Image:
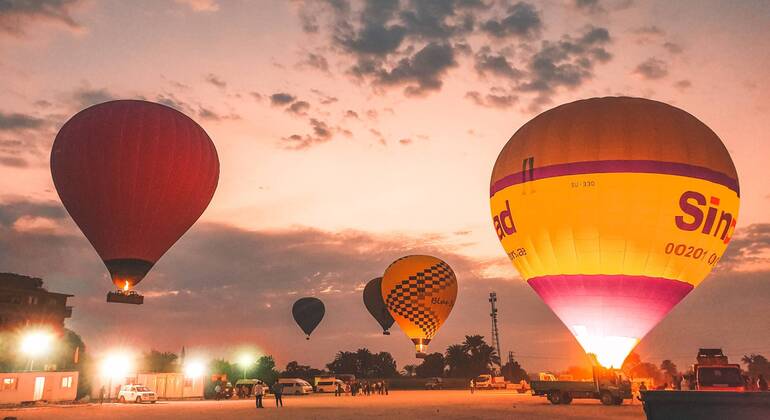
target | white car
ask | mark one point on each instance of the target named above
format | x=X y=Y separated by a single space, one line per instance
x=137 y=394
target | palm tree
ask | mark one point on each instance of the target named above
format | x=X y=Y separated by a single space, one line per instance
x=410 y=370
x=457 y=359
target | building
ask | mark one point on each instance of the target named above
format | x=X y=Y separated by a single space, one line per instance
x=20 y=387
x=166 y=385
x=24 y=301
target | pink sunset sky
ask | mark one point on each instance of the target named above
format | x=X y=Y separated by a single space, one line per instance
x=352 y=133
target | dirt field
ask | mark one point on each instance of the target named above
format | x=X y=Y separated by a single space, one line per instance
x=408 y=405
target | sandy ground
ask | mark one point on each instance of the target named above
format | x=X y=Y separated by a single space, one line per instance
x=406 y=405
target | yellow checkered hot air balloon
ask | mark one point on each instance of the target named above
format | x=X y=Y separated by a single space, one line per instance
x=613 y=210
x=419 y=291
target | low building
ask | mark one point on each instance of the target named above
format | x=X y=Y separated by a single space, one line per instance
x=21 y=387
x=24 y=302
x=166 y=385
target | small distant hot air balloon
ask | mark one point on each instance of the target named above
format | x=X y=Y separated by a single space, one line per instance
x=134 y=176
x=419 y=291
x=376 y=306
x=308 y=313
x=613 y=210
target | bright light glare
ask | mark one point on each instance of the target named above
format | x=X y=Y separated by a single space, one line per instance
x=116 y=365
x=36 y=343
x=194 y=368
x=610 y=351
x=245 y=360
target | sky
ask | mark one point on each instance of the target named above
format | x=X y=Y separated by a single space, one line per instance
x=352 y=133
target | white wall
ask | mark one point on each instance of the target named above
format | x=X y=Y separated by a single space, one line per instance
x=165 y=385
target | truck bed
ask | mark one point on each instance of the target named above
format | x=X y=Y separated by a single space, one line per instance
x=544 y=387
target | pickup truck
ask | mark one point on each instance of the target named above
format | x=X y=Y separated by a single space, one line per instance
x=608 y=386
x=487 y=381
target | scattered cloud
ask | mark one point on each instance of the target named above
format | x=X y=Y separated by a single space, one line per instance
x=211 y=115
x=749 y=250
x=321 y=133
x=491 y=100
x=494 y=64
x=18 y=16
x=683 y=84
x=522 y=21
x=16 y=121
x=200 y=5
x=421 y=73
x=256 y=95
x=652 y=69
x=405 y=142
x=673 y=48
x=13 y=162
x=280 y=99
x=589 y=6
x=215 y=80
x=84 y=97
x=351 y=114
x=298 y=108
x=316 y=61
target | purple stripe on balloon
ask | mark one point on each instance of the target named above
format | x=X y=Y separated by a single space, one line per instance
x=617 y=305
x=616 y=166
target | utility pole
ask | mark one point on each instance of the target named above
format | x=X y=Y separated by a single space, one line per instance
x=495 y=332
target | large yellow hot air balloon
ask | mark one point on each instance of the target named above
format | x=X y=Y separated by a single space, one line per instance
x=613 y=210
x=419 y=291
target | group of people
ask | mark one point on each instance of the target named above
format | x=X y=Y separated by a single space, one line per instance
x=687 y=383
x=260 y=391
x=362 y=388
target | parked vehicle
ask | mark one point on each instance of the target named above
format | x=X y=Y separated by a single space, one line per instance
x=714 y=373
x=487 y=381
x=434 y=383
x=137 y=394
x=328 y=384
x=609 y=386
x=244 y=388
x=520 y=387
x=295 y=386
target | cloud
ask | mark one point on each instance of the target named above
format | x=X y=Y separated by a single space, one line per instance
x=321 y=133
x=589 y=6
x=673 y=48
x=683 y=84
x=200 y=5
x=16 y=121
x=279 y=99
x=523 y=21
x=567 y=63
x=256 y=95
x=298 y=108
x=13 y=162
x=316 y=61
x=169 y=99
x=749 y=249
x=18 y=16
x=420 y=73
x=405 y=142
x=84 y=97
x=495 y=64
x=351 y=114
x=211 y=115
x=215 y=80
x=491 y=100
x=652 y=69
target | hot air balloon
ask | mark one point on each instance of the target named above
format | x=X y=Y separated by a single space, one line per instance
x=134 y=176
x=376 y=306
x=308 y=313
x=613 y=210
x=419 y=291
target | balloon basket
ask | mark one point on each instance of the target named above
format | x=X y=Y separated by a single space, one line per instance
x=386 y=333
x=130 y=297
x=421 y=355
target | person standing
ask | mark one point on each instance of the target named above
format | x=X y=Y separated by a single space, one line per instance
x=259 y=392
x=385 y=387
x=338 y=389
x=473 y=385
x=278 y=392
x=761 y=382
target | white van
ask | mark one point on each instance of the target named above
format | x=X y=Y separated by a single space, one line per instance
x=295 y=386
x=328 y=384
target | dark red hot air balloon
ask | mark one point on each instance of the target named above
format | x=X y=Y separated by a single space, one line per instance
x=134 y=175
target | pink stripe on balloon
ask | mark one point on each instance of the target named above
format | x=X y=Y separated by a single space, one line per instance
x=614 y=305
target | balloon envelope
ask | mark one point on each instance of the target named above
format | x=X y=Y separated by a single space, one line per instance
x=134 y=176
x=376 y=306
x=613 y=210
x=420 y=292
x=308 y=313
